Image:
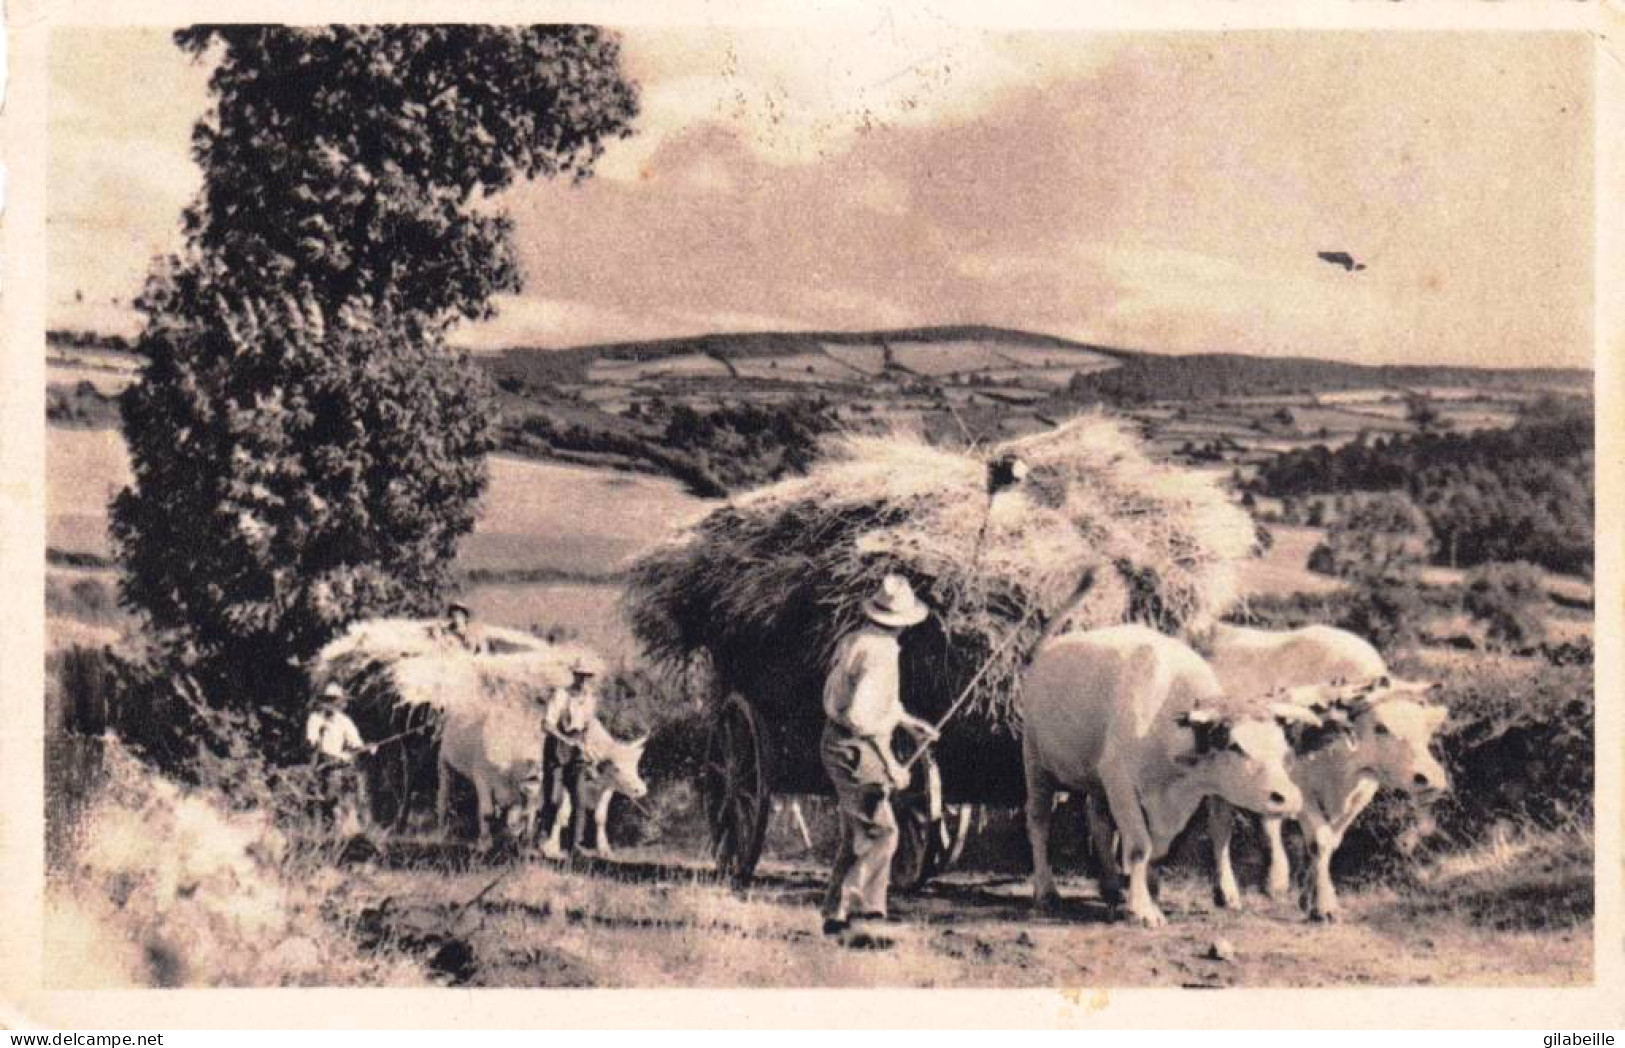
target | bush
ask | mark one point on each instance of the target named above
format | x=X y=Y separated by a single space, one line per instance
x=1509 y=599
x=1518 y=747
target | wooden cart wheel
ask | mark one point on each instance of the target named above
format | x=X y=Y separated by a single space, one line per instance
x=737 y=795
x=919 y=832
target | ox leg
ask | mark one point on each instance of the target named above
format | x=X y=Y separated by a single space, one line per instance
x=1040 y=806
x=1221 y=825
x=485 y=803
x=1279 y=883
x=442 y=799
x=1103 y=847
x=801 y=824
x=1321 y=896
x=1137 y=850
x=553 y=849
x=600 y=820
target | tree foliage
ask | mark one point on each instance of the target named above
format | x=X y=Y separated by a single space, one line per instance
x=1524 y=493
x=355 y=161
x=1509 y=599
x=306 y=450
x=1379 y=538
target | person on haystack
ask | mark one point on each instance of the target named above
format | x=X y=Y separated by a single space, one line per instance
x=462 y=631
x=565 y=718
x=335 y=742
x=863 y=709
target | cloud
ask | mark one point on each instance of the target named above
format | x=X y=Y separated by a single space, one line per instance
x=1160 y=191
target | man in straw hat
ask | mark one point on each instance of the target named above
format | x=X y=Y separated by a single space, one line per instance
x=565 y=719
x=864 y=709
x=336 y=741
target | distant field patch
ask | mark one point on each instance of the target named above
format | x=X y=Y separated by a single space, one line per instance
x=1483 y=418
x=870 y=360
x=84 y=469
x=797 y=367
x=107 y=382
x=589 y=611
x=635 y=370
x=1056 y=377
x=1284 y=567
x=1072 y=359
x=543 y=515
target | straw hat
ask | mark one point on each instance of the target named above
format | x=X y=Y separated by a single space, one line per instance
x=586 y=666
x=895 y=604
x=454 y=607
x=333 y=693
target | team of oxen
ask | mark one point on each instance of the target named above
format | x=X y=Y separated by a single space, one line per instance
x=1305 y=724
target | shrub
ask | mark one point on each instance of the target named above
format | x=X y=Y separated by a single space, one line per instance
x=1518 y=747
x=1509 y=600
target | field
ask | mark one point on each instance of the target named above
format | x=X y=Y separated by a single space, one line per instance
x=549 y=549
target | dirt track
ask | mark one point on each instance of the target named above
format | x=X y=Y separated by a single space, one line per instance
x=646 y=920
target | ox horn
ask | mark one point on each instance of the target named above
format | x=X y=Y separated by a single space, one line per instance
x=1291 y=711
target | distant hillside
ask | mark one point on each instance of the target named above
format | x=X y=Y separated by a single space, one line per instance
x=572 y=364
x=1139 y=376
x=1146 y=377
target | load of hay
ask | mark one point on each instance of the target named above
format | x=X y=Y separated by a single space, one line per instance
x=393 y=663
x=764 y=587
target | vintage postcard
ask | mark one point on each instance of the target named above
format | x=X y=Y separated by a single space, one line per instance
x=1090 y=505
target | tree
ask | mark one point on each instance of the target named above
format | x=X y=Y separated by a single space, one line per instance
x=1381 y=538
x=306 y=450
x=1508 y=599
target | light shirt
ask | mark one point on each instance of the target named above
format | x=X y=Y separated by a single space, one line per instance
x=333 y=734
x=569 y=712
x=863 y=691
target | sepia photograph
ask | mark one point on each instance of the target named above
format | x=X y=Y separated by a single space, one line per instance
x=876 y=502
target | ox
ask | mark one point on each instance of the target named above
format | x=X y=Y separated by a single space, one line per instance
x=1383 y=728
x=1373 y=735
x=1118 y=711
x=610 y=767
x=498 y=750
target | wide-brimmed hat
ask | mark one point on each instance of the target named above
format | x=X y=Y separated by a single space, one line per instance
x=586 y=666
x=333 y=693
x=456 y=606
x=895 y=604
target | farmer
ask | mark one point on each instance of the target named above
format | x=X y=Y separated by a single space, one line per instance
x=565 y=719
x=335 y=742
x=461 y=630
x=863 y=711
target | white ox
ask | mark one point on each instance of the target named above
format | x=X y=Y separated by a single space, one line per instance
x=1375 y=734
x=1118 y=710
x=498 y=750
x=610 y=766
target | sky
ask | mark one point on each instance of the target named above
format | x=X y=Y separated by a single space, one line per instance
x=1157 y=191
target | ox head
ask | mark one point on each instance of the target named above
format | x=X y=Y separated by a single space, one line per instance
x=1389 y=725
x=1244 y=758
x=615 y=765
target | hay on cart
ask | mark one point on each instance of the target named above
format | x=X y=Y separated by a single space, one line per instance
x=765 y=586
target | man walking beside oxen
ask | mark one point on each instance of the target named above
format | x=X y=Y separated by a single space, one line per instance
x=863 y=710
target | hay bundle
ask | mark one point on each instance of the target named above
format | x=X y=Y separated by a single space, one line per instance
x=768 y=584
x=389 y=664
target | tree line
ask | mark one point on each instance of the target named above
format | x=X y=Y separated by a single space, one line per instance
x=1523 y=493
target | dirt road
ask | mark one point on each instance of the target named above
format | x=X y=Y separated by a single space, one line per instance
x=650 y=920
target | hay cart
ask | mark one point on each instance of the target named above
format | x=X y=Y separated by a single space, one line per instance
x=997 y=540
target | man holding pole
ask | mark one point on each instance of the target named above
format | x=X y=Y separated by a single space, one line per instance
x=864 y=709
